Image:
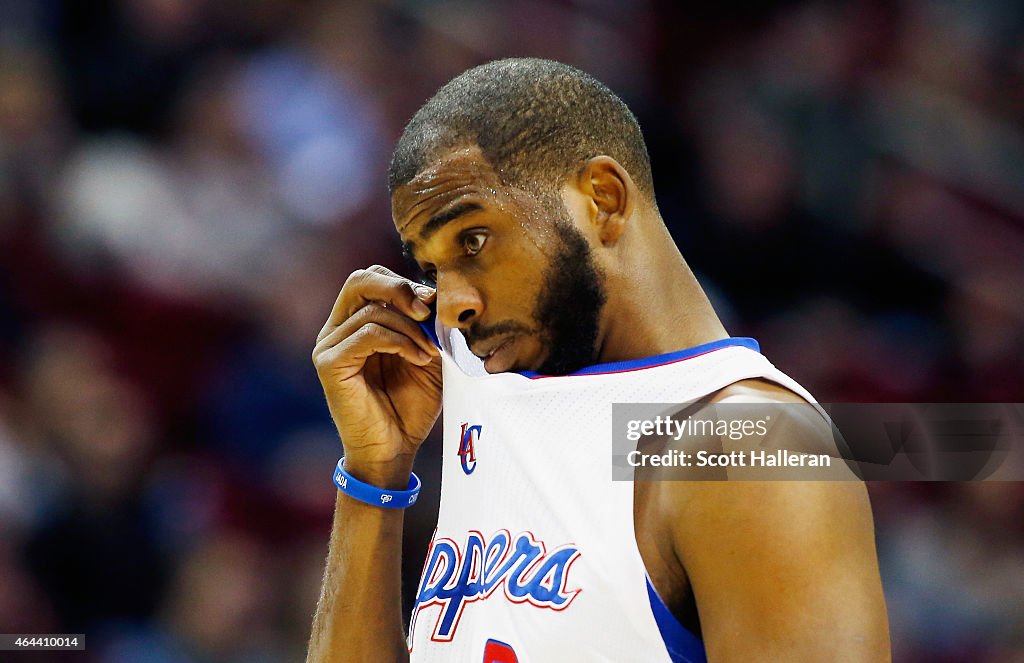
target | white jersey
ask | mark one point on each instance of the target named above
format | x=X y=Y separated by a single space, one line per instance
x=534 y=558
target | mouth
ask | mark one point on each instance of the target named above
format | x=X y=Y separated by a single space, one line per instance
x=500 y=357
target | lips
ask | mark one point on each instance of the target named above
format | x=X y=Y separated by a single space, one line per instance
x=499 y=357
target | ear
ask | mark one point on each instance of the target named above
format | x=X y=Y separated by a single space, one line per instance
x=611 y=195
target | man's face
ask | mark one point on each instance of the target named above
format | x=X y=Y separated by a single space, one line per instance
x=513 y=273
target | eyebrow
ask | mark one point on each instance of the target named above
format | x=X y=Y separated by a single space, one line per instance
x=437 y=221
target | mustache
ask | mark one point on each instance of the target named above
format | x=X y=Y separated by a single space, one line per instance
x=477 y=332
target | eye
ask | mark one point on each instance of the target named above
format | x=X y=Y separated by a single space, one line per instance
x=430 y=277
x=473 y=242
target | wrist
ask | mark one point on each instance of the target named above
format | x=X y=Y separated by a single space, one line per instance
x=368 y=493
x=388 y=475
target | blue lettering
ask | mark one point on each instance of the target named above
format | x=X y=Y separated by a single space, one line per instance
x=443 y=552
x=454 y=579
x=527 y=552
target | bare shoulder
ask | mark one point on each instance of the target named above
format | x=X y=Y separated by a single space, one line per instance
x=795 y=422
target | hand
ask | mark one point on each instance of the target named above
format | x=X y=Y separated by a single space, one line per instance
x=380 y=372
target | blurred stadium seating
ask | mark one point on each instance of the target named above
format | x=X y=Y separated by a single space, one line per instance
x=184 y=185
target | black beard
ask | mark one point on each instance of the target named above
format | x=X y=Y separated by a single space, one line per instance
x=568 y=310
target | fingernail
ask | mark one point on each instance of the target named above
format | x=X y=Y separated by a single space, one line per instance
x=424 y=357
x=420 y=309
x=423 y=292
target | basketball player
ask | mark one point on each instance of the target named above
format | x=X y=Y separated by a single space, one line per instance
x=523 y=190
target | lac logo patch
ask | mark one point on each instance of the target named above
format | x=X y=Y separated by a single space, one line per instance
x=467 y=446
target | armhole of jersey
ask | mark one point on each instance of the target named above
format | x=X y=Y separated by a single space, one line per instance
x=778 y=378
x=682 y=645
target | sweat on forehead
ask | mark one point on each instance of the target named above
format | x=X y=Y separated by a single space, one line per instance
x=458 y=182
x=465 y=164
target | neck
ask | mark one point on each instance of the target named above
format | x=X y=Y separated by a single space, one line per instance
x=655 y=304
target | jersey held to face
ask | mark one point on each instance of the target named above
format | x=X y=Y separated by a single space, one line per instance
x=512 y=271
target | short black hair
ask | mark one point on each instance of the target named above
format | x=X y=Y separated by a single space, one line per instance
x=536 y=122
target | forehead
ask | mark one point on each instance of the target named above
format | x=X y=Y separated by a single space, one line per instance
x=459 y=173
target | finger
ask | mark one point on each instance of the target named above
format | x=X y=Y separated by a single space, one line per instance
x=350 y=354
x=379 y=284
x=425 y=292
x=408 y=291
x=390 y=318
x=379 y=313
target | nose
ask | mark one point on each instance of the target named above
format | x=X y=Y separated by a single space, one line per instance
x=459 y=303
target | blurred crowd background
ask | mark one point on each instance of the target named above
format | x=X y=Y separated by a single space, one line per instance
x=185 y=184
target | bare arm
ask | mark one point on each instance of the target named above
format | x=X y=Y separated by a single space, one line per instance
x=381 y=377
x=783 y=570
x=360 y=605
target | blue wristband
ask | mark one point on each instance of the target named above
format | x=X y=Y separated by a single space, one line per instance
x=364 y=492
